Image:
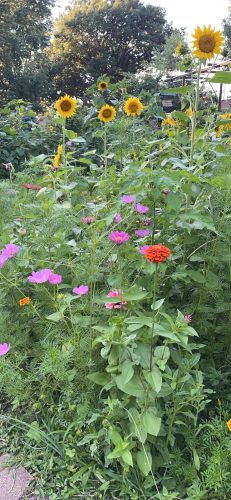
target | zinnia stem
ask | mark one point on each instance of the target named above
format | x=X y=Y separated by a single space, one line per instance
x=194 y=116
x=105 y=150
x=155 y=286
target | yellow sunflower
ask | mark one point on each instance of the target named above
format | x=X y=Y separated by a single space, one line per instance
x=226 y=127
x=56 y=161
x=207 y=43
x=168 y=121
x=178 y=49
x=133 y=106
x=107 y=113
x=103 y=85
x=189 y=112
x=66 y=106
x=60 y=150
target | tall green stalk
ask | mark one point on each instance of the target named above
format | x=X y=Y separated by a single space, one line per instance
x=105 y=150
x=155 y=287
x=194 y=116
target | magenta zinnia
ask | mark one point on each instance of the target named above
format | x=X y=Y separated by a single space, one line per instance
x=118 y=237
x=116 y=305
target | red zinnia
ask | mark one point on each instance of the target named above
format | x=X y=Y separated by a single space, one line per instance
x=34 y=187
x=157 y=253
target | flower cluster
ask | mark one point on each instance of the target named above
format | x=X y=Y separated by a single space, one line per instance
x=8 y=252
x=121 y=304
x=45 y=275
x=58 y=156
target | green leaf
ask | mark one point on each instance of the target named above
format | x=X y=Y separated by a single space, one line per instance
x=134 y=387
x=127 y=371
x=154 y=378
x=196 y=459
x=158 y=304
x=177 y=90
x=144 y=462
x=137 y=427
x=34 y=433
x=127 y=457
x=134 y=293
x=99 y=378
x=161 y=356
x=151 y=422
x=197 y=276
x=116 y=438
x=221 y=77
x=55 y=317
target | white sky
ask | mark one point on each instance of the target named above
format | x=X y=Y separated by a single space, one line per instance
x=183 y=13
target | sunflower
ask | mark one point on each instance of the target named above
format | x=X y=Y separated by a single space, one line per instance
x=107 y=113
x=103 y=85
x=66 y=106
x=189 y=112
x=133 y=106
x=226 y=127
x=207 y=43
x=168 y=121
x=60 y=150
x=178 y=49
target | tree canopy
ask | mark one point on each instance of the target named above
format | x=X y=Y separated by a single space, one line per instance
x=99 y=37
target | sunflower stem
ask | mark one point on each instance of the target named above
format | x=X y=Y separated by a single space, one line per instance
x=155 y=286
x=194 y=116
x=105 y=150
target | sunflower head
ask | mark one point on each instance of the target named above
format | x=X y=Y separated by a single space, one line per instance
x=189 y=112
x=207 y=42
x=107 y=113
x=133 y=106
x=103 y=86
x=168 y=121
x=66 y=106
x=178 y=49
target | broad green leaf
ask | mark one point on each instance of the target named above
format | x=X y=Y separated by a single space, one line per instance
x=134 y=387
x=137 y=427
x=116 y=438
x=99 y=378
x=197 y=276
x=154 y=378
x=177 y=90
x=157 y=305
x=151 y=422
x=221 y=77
x=135 y=293
x=34 y=433
x=55 y=317
x=127 y=371
x=144 y=462
x=127 y=457
x=161 y=356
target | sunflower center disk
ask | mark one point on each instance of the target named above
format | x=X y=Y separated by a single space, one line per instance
x=206 y=43
x=65 y=106
x=133 y=108
x=107 y=113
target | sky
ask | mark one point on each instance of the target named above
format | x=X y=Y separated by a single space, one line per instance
x=183 y=13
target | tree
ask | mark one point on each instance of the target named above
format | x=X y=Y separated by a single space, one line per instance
x=25 y=27
x=227 y=33
x=104 y=37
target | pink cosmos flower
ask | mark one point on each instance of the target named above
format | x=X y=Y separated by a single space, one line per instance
x=128 y=198
x=3 y=260
x=4 y=348
x=117 y=218
x=141 y=209
x=55 y=279
x=119 y=237
x=88 y=219
x=116 y=305
x=8 y=252
x=147 y=222
x=40 y=276
x=81 y=290
x=143 y=248
x=142 y=233
x=188 y=318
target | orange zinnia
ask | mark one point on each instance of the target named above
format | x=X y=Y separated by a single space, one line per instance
x=157 y=253
x=229 y=424
x=24 y=301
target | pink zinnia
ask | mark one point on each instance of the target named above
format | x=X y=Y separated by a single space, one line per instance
x=118 y=237
x=116 y=305
x=143 y=248
x=88 y=219
x=128 y=198
x=81 y=290
x=147 y=222
x=188 y=318
x=55 y=279
x=141 y=209
x=117 y=218
x=142 y=233
x=4 y=348
x=10 y=250
x=40 y=276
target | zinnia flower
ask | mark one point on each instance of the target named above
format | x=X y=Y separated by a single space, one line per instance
x=66 y=106
x=4 y=348
x=107 y=113
x=141 y=209
x=116 y=305
x=81 y=290
x=88 y=219
x=157 y=253
x=55 y=279
x=103 y=85
x=40 y=276
x=143 y=248
x=188 y=318
x=117 y=218
x=229 y=424
x=32 y=187
x=133 y=106
x=128 y=198
x=147 y=222
x=119 y=237
x=25 y=301
x=207 y=42
x=142 y=233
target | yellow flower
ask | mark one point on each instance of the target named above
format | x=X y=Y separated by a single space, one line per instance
x=66 y=106
x=168 y=121
x=56 y=161
x=133 y=106
x=219 y=131
x=60 y=150
x=179 y=49
x=107 y=113
x=189 y=112
x=103 y=85
x=207 y=43
x=226 y=126
x=229 y=424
